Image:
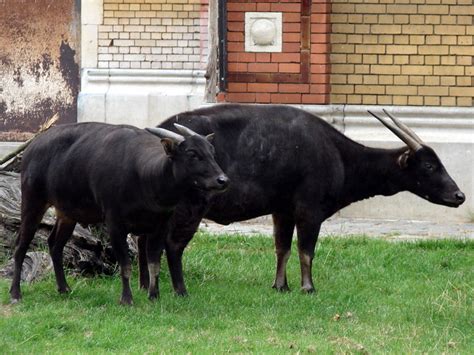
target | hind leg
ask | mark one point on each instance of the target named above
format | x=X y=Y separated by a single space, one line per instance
x=31 y=215
x=308 y=232
x=283 y=227
x=58 y=238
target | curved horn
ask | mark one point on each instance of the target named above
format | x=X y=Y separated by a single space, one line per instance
x=408 y=140
x=164 y=133
x=404 y=127
x=185 y=131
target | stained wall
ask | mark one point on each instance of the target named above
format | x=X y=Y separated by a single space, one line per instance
x=39 y=64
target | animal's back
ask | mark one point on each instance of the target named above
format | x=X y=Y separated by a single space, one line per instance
x=67 y=164
x=262 y=131
x=52 y=149
x=270 y=153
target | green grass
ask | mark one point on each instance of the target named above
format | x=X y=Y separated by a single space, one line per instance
x=373 y=296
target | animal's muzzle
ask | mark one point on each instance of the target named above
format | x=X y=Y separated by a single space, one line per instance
x=459 y=197
x=454 y=199
x=222 y=182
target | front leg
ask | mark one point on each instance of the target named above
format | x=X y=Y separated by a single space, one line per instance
x=187 y=217
x=308 y=232
x=175 y=245
x=118 y=238
x=155 y=243
x=154 y=249
x=144 y=278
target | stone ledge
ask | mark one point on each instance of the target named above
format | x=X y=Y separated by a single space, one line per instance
x=145 y=76
x=141 y=97
x=435 y=124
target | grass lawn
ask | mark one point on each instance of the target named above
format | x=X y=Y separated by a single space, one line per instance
x=373 y=296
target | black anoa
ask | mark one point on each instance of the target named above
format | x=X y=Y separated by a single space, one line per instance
x=293 y=165
x=129 y=178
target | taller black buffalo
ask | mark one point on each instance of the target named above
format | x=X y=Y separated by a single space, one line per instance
x=125 y=176
x=291 y=164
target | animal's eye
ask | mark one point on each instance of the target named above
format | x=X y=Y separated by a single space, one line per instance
x=429 y=166
x=192 y=154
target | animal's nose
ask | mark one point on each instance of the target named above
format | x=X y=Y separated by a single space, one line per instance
x=223 y=181
x=460 y=197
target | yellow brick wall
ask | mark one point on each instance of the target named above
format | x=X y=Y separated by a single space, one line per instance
x=153 y=34
x=411 y=52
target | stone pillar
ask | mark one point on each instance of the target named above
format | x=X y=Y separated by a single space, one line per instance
x=91 y=19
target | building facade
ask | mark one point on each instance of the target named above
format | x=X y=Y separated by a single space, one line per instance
x=141 y=61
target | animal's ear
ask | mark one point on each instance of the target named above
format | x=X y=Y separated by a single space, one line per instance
x=210 y=137
x=403 y=159
x=169 y=145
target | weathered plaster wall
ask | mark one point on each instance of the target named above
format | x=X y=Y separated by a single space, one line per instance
x=39 y=72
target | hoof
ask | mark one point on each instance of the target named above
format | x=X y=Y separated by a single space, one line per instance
x=15 y=296
x=308 y=290
x=64 y=290
x=126 y=302
x=153 y=296
x=283 y=288
x=181 y=293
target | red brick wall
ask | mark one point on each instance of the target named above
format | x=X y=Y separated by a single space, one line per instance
x=300 y=74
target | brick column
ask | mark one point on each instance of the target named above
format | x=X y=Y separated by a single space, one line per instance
x=297 y=74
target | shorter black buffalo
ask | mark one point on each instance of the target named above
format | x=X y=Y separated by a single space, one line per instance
x=289 y=163
x=122 y=175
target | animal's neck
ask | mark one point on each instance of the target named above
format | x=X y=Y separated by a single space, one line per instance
x=370 y=172
x=166 y=188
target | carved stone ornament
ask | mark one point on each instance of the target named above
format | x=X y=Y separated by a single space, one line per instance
x=263 y=31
